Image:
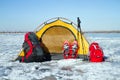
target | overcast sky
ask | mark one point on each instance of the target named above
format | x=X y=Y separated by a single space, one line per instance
x=26 y=15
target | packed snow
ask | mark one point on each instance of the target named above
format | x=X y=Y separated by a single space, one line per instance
x=72 y=69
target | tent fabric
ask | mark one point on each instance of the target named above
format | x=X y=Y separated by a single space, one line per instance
x=53 y=34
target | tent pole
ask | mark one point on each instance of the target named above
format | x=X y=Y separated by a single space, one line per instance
x=79 y=29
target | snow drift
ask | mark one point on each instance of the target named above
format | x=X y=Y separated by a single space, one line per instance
x=72 y=69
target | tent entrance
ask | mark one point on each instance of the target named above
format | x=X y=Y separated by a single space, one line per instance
x=54 y=37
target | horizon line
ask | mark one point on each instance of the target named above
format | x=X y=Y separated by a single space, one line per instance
x=95 y=31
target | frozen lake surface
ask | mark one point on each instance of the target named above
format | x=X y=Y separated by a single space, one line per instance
x=10 y=45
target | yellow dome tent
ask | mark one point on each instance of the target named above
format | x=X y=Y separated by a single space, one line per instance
x=55 y=31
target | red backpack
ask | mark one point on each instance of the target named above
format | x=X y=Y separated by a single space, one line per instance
x=96 y=53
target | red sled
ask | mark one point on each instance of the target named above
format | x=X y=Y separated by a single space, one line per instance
x=70 y=50
x=96 y=53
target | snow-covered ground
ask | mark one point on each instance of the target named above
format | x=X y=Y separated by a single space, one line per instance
x=76 y=69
